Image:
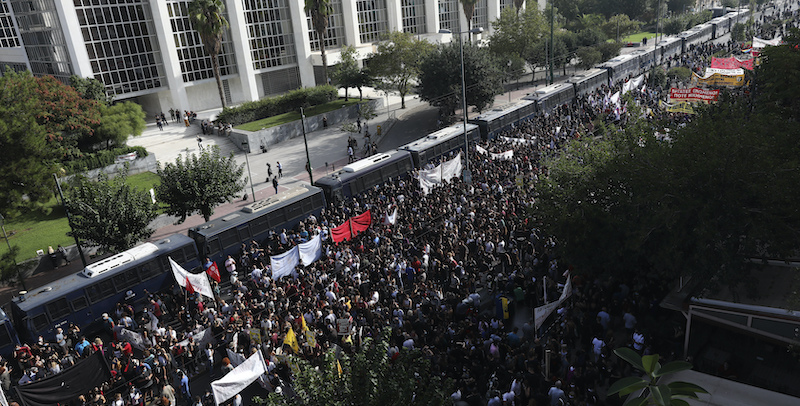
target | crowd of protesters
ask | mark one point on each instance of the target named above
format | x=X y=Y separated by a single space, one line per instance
x=435 y=277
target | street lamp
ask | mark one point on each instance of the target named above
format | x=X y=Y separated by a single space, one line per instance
x=246 y=147
x=19 y=275
x=478 y=30
x=305 y=141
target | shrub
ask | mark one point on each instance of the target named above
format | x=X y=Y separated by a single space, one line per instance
x=290 y=101
x=100 y=159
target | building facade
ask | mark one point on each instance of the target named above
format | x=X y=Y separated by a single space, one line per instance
x=147 y=50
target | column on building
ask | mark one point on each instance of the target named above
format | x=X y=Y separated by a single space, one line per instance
x=172 y=66
x=241 y=46
x=432 y=16
x=395 y=15
x=350 y=14
x=300 y=24
x=493 y=13
x=74 y=40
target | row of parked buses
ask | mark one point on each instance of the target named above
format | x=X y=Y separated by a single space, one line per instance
x=82 y=298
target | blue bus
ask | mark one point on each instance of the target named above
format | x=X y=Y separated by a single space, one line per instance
x=82 y=298
x=223 y=236
x=440 y=144
x=8 y=335
x=364 y=174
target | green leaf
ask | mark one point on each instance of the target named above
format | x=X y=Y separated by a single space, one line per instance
x=661 y=395
x=673 y=367
x=625 y=383
x=684 y=388
x=650 y=363
x=637 y=402
x=679 y=402
x=630 y=356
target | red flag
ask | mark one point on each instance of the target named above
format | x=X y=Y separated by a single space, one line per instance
x=213 y=272
x=189 y=287
x=342 y=232
x=361 y=222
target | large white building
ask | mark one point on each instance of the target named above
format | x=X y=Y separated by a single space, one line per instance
x=148 y=52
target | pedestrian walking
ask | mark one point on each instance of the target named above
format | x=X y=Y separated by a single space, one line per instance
x=63 y=253
x=269 y=171
x=177 y=115
x=158 y=123
x=280 y=169
x=275 y=184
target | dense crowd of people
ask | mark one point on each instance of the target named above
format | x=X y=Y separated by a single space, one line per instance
x=434 y=277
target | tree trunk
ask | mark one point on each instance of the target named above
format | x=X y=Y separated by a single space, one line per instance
x=215 y=64
x=360 y=93
x=324 y=57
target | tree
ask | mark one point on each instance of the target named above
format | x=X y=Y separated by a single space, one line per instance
x=69 y=119
x=369 y=378
x=589 y=57
x=90 y=89
x=320 y=10
x=469 y=10
x=671 y=394
x=779 y=89
x=199 y=183
x=27 y=160
x=396 y=63
x=515 y=34
x=120 y=121
x=208 y=19
x=109 y=213
x=440 y=77
x=620 y=26
x=347 y=74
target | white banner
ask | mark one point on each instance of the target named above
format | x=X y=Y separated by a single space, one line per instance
x=481 y=150
x=238 y=379
x=503 y=155
x=391 y=219
x=199 y=282
x=310 y=251
x=445 y=171
x=3 y=401
x=762 y=43
x=519 y=140
x=541 y=313
x=633 y=84
x=283 y=264
x=201 y=339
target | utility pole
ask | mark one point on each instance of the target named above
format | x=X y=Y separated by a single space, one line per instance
x=552 y=52
x=305 y=141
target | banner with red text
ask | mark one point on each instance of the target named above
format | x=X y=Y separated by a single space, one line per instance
x=731 y=63
x=694 y=94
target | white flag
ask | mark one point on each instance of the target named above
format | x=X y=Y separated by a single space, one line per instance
x=311 y=250
x=283 y=264
x=391 y=219
x=238 y=379
x=196 y=282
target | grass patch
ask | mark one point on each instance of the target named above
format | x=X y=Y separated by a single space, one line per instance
x=638 y=37
x=295 y=115
x=37 y=229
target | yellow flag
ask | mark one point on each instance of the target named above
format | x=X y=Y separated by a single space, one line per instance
x=291 y=339
x=303 y=323
x=339 y=368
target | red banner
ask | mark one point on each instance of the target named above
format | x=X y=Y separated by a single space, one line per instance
x=361 y=222
x=341 y=233
x=693 y=94
x=731 y=63
x=213 y=272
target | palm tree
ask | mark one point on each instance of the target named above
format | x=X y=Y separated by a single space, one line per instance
x=469 y=10
x=320 y=10
x=209 y=21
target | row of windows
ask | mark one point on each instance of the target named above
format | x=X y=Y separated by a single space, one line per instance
x=103 y=33
x=448 y=15
x=280 y=81
x=372 y=19
x=106 y=288
x=506 y=3
x=270 y=34
x=111 y=14
x=413 y=16
x=195 y=63
x=8 y=36
x=84 y=3
x=112 y=49
x=480 y=18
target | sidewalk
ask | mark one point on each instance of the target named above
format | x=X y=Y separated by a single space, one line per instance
x=327 y=149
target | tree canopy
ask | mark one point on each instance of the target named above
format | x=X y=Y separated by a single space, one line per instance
x=347 y=74
x=718 y=193
x=397 y=62
x=440 y=77
x=197 y=184
x=109 y=213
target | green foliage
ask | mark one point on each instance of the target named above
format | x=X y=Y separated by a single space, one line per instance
x=620 y=26
x=208 y=19
x=100 y=159
x=90 y=89
x=197 y=184
x=739 y=32
x=671 y=394
x=109 y=213
x=608 y=50
x=440 y=77
x=516 y=34
x=8 y=264
x=657 y=77
x=780 y=90
x=680 y=73
x=290 y=101
x=589 y=57
x=347 y=74
x=118 y=122
x=27 y=159
x=369 y=378
x=397 y=60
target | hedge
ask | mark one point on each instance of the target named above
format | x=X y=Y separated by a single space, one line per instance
x=291 y=101
x=100 y=159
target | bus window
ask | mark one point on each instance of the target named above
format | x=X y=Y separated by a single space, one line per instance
x=177 y=256
x=148 y=270
x=244 y=232
x=58 y=308
x=5 y=335
x=40 y=322
x=228 y=238
x=79 y=304
x=212 y=247
x=189 y=253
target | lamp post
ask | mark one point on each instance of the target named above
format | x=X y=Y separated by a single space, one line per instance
x=16 y=265
x=69 y=220
x=246 y=146
x=305 y=141
x=467 y=173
